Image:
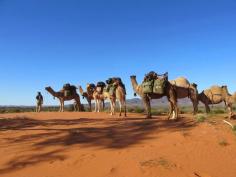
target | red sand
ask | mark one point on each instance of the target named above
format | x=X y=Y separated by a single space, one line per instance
x=98 y=145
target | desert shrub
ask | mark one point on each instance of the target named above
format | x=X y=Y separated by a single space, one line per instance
x=185 y=109
x=200 y=111
x=130 y=109
x=70 y=108
x=138 y=110
x=234 y=108
x=201 y=117
x=223 y=143
x=218 y=111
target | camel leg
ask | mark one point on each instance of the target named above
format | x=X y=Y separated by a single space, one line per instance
x=230 y=111
x=103 y=105
x=195 y=106
x=60 y=109
x=99 y=105
x=208 y=110
x=113 y=107
x=120 y=107
x=90 y=105
x=176 y=111
x=147 y=105
x=124 y=104
x=75 y=107
x=62 y=106
x=171 y=110
x=95 y=110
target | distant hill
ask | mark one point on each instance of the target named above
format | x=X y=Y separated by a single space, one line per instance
x=163 y=102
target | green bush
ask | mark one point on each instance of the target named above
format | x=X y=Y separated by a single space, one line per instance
x=138 y=110
x=130 y=109
x=218 y=111
x=201 y=117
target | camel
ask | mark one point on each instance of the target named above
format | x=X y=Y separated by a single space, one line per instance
x=60 y=95
x=89 y=95
x=119 y=95
x=184 y=89
x=169 y=92
x=216 y=95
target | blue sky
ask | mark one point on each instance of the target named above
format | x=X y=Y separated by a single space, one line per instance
x=51 y=42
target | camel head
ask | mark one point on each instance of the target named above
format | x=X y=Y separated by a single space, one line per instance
x=48 y=88
x=137 y=89
x=51 y=91
x=87 y=86
x=82 y=92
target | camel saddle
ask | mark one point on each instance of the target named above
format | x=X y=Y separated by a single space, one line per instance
x=69 y=89
x=91 y=88
x=100 y=87
x=154 y=83
x=112 y=85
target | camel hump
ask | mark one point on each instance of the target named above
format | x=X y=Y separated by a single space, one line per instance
x=213 y=90
x=216 y=89
x=181 y=82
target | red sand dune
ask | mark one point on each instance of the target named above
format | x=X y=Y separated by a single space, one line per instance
x=98 y=145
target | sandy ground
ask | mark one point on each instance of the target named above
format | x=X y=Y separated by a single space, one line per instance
x=98 y=145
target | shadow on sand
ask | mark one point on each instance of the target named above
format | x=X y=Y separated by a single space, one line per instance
x=83 y=132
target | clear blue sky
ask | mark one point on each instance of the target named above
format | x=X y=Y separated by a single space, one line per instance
x=51 y=42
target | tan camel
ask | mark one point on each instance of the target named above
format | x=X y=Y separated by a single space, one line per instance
x=100 y=97
x=169 y=92
x=89 y=95
x=119 y=95
x=62 y=98
x=186 y=90
x=216 y=95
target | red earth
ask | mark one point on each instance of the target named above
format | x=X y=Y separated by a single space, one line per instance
x=98 y=145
